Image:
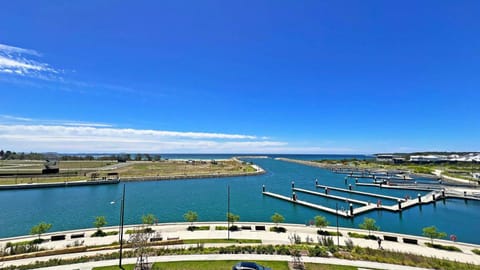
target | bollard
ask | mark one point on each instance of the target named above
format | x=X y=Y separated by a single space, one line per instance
x=263 y=188
x=356 y=180
x=443 y=193
x=419 y=198
x=326 y=190
x=400 y=205
x=345 y=180
x=350 y=186
x=294 y=196
x=293 y=184
x=351 y=210
x=316 y=182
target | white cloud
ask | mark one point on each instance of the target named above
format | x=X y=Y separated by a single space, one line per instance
x=19 y=61
x=80 y=138
x=16 y=50
x=11 y=119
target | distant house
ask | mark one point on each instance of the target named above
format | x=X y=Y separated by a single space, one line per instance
x=427 y=158
x=389 y=158
x=384 y=158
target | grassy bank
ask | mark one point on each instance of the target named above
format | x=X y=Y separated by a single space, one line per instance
x=221 y=265
x=26 y=172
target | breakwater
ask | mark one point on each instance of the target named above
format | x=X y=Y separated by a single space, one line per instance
x=60 y=184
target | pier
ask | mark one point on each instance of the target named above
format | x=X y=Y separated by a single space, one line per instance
x=340 y=198
x=409 y=187
x=362 y=193
x=431 y=197
x=307 y=204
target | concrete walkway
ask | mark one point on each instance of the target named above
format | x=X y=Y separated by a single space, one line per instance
x=174 y=230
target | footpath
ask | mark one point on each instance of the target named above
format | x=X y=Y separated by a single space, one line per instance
x=179 y=231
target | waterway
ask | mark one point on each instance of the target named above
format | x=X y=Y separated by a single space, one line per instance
x=76 y=207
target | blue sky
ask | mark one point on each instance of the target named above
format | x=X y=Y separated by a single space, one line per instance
x=240 y=76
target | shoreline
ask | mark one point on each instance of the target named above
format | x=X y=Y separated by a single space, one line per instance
x=258 y=171
x=324 y=166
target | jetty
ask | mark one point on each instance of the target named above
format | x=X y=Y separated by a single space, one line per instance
x=409 y=187
x=60 y=184
x=307 y=204
x=401 y=204
x=340 y=198
x=361 y=193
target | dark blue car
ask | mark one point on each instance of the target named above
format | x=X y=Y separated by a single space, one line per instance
x=249 y=266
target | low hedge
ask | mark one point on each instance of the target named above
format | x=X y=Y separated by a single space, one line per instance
x=442 y=247
x=278 y=229
x=364 y=236
x=328 y=233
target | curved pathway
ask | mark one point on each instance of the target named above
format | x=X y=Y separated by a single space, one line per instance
x=174 y=230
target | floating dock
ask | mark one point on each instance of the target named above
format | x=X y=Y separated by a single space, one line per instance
x=340 y=198
x=307 y=204
x=362 y=193
x=402 y=204
x=409 y=187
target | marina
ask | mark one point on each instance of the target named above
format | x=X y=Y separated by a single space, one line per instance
x=169 y=200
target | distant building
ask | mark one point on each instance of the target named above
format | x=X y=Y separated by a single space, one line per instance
x=390 y=158
x=428 y=158
x=476 y=175
x=384 y=158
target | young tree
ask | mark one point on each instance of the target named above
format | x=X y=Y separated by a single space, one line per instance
x=320 y=221
x=40 y=229
x=369 y=224
x=232 y=218
x=432 y=232
x=148 y=220
x=99 y=222
x=277 y=218
x=191 y=217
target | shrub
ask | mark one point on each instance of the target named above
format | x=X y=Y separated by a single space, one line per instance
x=442 y=247
x=349 y=244
x=278 y=229
x=318 y=251
x=198 y=228
x=327 y=233
x=364 y=236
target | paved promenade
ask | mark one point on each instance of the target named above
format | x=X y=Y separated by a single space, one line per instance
x=174 y=230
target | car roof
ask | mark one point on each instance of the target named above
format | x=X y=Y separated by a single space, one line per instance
x=248 y=264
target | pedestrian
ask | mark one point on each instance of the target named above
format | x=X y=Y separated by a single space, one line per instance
x=379 y=243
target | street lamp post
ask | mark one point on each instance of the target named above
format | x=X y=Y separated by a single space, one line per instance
x=338 y=234
x=228 y=212
x=122 y=211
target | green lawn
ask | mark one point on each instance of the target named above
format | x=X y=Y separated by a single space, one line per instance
x=222 y=265
x=201 y=265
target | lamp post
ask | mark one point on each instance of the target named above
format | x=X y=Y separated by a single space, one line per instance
x=122 y=211
x=338 y=234
x=228 y=212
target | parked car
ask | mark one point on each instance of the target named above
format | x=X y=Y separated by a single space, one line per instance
x=249 y=266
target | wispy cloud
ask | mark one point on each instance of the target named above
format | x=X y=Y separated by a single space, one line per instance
x=80 y=138
x=22 y=62
x=12 y=119
x=16 y=50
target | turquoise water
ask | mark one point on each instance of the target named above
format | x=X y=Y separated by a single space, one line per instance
x=76 y=207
